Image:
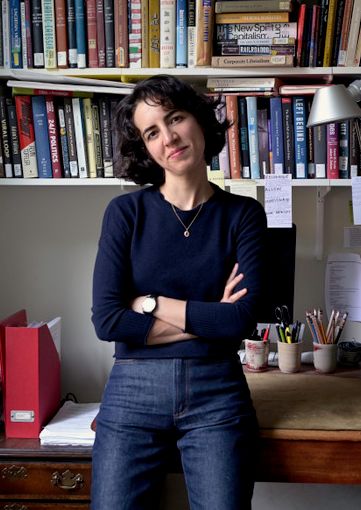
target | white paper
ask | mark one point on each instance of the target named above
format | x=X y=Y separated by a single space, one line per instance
x=54 y=327
x=343 y=284
x=352 y=237
x=71 y=425
x=278 y=200
x=356 y=200
x=246 y=188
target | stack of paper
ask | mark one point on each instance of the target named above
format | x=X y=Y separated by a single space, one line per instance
x=71 y=425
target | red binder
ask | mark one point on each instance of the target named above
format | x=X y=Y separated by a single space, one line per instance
x=32 y=379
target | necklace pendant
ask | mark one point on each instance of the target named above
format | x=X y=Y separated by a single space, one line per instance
x=186 y=233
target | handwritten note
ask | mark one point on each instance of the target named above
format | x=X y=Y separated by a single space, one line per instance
x=216 y=176
x=356 y=200
x=278 y=200
x=343 y=284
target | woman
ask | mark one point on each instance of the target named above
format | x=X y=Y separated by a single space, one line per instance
x=177 y=282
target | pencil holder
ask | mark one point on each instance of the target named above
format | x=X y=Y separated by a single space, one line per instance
x=256 y=355
x=325 y=357
x=289 y=356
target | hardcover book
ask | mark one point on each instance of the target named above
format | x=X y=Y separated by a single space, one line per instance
x=300 y=131
x=26 y=136
x=53 y=137
x=61 y=34
x=253 y=137
x=50 y=58
x=42 y=142
x=277 y=135
x=14 y=138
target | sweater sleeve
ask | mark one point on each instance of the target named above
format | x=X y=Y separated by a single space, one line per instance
x=112 y=318
x=216 y=320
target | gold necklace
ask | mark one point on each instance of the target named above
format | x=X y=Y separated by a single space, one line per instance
x=186 y=232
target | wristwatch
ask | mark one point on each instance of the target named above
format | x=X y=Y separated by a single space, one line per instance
x=149 y=304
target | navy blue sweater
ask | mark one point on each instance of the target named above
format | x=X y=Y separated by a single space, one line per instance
x=142 y=250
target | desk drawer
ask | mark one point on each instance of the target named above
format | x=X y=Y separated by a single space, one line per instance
x=45 y=480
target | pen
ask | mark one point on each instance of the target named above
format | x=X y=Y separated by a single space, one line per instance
x=266 y=333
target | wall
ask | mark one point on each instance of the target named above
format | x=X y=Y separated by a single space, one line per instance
x=48 y=241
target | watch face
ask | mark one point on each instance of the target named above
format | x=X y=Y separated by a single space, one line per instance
x=149 y=304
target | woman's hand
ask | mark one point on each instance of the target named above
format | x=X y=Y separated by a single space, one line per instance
x=228 y=295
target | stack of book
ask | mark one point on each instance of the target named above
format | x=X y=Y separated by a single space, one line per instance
x=254 y=33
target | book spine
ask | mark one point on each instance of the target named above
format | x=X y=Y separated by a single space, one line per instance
x=105 y=130
x=26 y=136
x=344 y=150
x=310 y=144
x=204 y=31
x=353 y=33
x=192 y=33
x=243 y=137
x=122 y=51
x=97 y=141
x=135 y=34
x=357 y=57
x=314 y=35
x=252 y=6
x=320 y=152
x=109 y=33
x=322 y=32
x=306 y=38
x=28 y=35
x=332 y=169
x=330 y=31
x=223 y=157
x=231 y=48
x=53 y=137
x=2 y=166
x=70 y=132
x=42 y=142
x=91 y=23
x=71 y=31
x=89 y=137
x=288 y=136
x=253 y=137
x=145 y=33
x=232 y=136
x=253 y=61
x=63 y=140
x=14 y=138
x=5 y=9
x=262 y=123
x=49 y=37
x=255 y=33
x=1 y=40
x=15 y=34
x=277 y=135
x=80 y=29
x=113 y=133
x=340 y=8
x=252 y=17
x=79 y=131
x=355 y=152
x=100 y=32
x=5 y=138
x=341 y=59
x=61 y=36
x=299 y=121
x=181 y=33
x=167 y=33
x=154 y=33
x=24 y=47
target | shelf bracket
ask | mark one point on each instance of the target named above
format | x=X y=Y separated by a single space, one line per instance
x=320 y=216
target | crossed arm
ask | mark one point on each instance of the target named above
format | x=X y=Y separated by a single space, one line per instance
x=170 y=314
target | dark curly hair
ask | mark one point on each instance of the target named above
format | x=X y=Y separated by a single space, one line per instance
x=133 y=161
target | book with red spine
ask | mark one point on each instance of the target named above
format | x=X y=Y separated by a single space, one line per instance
x=61 y=34
x=232 y=136
x=332 y=138
x=56 y=165
x=91 y=24
x=24 y=114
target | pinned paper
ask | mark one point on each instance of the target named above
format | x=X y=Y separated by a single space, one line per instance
x=278 y=200
x=356 y=200
x=246 y=188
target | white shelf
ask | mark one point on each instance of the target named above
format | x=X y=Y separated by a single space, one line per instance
x=297 y=183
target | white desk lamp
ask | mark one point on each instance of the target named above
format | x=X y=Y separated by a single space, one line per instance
x=336 y=103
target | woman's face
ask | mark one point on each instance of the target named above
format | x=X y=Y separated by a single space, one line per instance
x=173 y=138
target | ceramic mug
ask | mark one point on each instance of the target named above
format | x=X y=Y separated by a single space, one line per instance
x=256 y=355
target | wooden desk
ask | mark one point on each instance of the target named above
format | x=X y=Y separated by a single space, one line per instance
x=310 y=433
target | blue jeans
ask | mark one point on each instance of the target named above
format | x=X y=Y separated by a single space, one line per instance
x=150 y=406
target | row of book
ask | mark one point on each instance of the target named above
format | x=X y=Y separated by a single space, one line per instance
x=54 y=137
x=179 y=33
x=270 y=135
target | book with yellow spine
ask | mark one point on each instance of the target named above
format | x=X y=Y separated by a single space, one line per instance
x=154 y=33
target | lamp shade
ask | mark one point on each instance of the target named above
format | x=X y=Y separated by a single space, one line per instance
x=332 y=104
